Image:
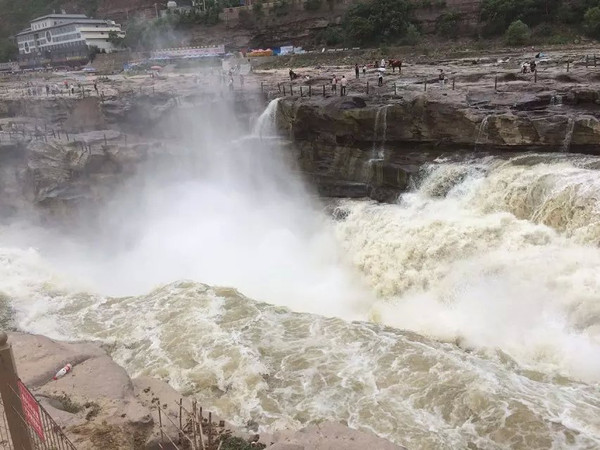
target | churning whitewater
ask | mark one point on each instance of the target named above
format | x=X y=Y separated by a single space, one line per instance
x=475 y=298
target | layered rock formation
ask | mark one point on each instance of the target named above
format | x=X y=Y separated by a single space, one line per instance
x=353 y=146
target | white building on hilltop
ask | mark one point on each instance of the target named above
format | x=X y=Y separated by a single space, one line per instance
x=64 y=39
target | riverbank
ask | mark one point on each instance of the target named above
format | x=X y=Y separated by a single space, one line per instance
x=100 y=407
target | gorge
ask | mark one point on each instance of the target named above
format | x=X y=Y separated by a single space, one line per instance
x=440 y=292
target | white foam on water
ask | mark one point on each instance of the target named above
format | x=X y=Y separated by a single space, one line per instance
x=476 y=256
x=459 y=266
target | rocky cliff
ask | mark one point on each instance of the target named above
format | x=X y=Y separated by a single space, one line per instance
x=353 y=146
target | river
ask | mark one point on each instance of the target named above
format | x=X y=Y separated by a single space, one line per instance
x=465 y=315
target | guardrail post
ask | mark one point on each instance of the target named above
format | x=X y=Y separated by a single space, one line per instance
x=9 y=389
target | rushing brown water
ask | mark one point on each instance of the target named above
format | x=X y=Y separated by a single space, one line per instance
x=464 y=316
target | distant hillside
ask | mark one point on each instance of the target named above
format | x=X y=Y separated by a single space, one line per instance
x=331 y=23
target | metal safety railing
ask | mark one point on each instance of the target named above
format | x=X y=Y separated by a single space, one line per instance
x=24 y=422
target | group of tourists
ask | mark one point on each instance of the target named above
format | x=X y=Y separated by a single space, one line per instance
x=343 y=84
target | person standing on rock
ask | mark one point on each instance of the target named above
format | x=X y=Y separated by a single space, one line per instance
x=442 y=77
x=380 y=79
x=364 y=70
x=334 y=84
x=343 y=88
x=356 y=71
x=532 y=66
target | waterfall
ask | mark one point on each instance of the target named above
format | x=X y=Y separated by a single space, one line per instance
x=379 y=134
x=566 y=145
x=483 y=128
x=265 y=124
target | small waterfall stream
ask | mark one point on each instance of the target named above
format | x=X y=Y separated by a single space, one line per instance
x=483 y=130
x=265 y=124
x=379 y=134
x=566 y=145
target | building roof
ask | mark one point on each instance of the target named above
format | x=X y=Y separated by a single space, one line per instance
x=61 y=16
x=83 y=21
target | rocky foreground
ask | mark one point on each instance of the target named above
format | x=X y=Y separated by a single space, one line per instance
x=100 y=407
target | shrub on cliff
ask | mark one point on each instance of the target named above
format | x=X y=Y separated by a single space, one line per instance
x=448 y=24
x=591 y=21
x=518 y=33
x=382 y=21
x=499 y=14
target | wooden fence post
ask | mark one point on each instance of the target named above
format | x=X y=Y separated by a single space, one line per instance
x=310 y=90
x=301 y=92
x=291 y=89
x=496 y=83
x=535 y=76
x=284 y=90
x=567 y=66
x=367 y=88
x=453 y=83
x=425 y=85
x=395 y=89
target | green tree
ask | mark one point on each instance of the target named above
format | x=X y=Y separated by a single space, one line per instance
x=115 y=39
x=499 y=14
x=591 y=21
x=413 y=36
x=257 y=8
x=518 y=33
x=377 y=22
x=448 y=24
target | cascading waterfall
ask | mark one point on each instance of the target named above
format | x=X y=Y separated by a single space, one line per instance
x=379 y=134
x=566 y=145
x=496 y=256
x=483 y=130
x=265 y=125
